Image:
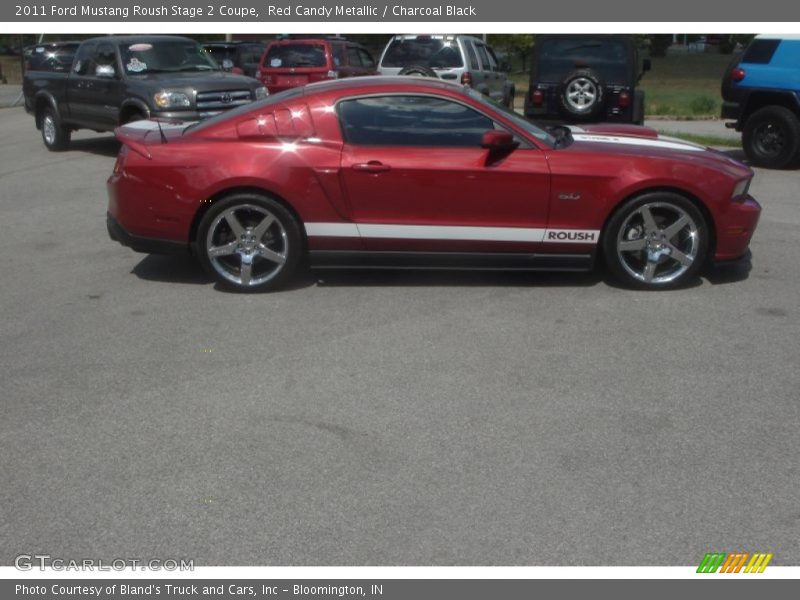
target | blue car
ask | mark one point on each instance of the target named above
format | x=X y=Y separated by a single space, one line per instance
x=761 y=94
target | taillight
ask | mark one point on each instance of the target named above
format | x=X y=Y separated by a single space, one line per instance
x=537 y=97
x=624 y=99
x=738 y=74
x=466 y=78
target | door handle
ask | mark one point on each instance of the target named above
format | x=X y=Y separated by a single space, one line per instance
x=373 y=166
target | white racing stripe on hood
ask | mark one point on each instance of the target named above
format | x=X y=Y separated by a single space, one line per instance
x=667 y=143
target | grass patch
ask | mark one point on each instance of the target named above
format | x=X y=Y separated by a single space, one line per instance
x=680 y=86
x=685 y=85
x=705 y=140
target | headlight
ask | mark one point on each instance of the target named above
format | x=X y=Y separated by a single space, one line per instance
x=172 y=100
x=741 y=189
x=261 y=93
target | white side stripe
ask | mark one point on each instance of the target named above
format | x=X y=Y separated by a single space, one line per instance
x=433 y=232
x=661 y=142
x=332 y=230
x=444 y=232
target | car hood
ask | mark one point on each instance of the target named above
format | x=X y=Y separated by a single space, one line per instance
x=201 y=81
x=635 y=140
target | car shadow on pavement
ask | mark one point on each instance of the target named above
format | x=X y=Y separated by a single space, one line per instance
x=186 y=270
x=729 y=273
x=171 y=269
x=101 y=146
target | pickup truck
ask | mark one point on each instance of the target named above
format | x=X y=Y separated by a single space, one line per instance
x=118 y=79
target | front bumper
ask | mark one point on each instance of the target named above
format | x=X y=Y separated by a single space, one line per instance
x=735 y=228
x=142 y=244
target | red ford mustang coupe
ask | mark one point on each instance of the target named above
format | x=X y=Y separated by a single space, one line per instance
x=404 y=172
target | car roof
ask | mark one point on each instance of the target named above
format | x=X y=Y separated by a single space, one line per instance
x=380 y=81
x=586 y=36
x=444 y=36
x=139 y=39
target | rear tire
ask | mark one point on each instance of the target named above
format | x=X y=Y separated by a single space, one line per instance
x=771 y=137
x=249 y=243
x=55 y=136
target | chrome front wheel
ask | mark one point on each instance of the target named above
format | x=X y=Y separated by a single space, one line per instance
x=657 y=241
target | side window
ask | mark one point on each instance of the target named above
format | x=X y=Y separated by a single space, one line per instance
x=105 y=60
x=83 y=60
x=411 y=121
x=473 y=58
x=366 y=59
x=493 y=59
x=485 y=64
x=353 y=59
x=338 y=55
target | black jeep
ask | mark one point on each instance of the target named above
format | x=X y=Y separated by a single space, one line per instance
x=586 y=78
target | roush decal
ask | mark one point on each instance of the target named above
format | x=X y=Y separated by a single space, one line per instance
x=448 y=232
x=571 y=236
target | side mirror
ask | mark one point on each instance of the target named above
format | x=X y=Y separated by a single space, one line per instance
x=495 y=140
x=227 y=64
x=106 y=71
x=647 y=64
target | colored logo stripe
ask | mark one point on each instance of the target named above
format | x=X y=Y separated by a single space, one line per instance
x=734 y=562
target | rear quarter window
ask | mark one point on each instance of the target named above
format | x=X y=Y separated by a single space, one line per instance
x=760 y=52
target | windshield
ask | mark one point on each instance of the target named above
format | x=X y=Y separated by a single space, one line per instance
x=433 y=52
x=220 y=53
x=517 y=119
x=558 y=58
x=284 y=56
x=165 y=57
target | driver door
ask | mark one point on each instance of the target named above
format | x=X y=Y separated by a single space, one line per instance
x=417 y=178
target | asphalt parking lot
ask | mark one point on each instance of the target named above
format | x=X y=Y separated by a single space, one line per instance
x=383 y=418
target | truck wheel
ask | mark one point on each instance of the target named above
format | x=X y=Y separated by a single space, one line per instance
x=54 y=135
x=771 y=137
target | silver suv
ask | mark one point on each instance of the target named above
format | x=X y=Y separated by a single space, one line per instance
x=457 y=58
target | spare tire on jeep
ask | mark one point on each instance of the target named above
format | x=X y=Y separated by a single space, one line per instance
x=418 y=71
x=581 y=94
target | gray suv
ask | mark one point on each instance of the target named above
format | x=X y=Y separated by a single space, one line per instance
x=458 y=58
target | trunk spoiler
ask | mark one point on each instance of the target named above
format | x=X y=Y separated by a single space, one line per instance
x=141 y=134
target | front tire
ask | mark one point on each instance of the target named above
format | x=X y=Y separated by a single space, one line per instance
x=771 y=137
x=55 y=136
x=659 y=240
x=249 y=243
